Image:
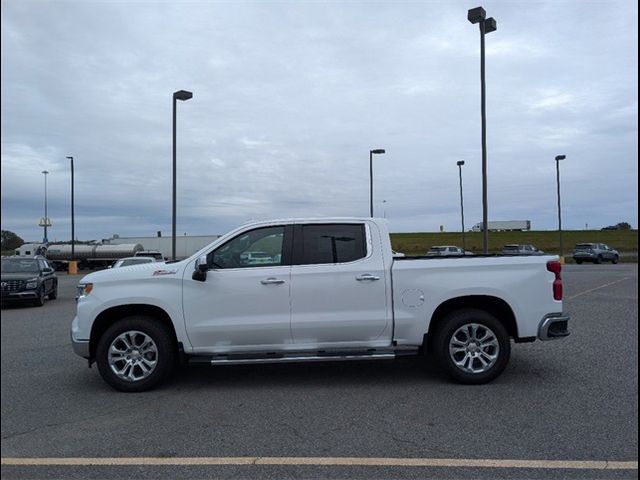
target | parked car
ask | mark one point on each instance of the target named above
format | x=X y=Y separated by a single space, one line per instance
x=125 y=262
x=335 y=292
x=515 y=249
x=150 y=253
x=595 y=252
x=28 y=279
x=446 y=251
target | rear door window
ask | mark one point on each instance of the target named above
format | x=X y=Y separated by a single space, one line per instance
x=329 y=243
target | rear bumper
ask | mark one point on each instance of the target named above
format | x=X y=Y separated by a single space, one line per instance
x=554 y=326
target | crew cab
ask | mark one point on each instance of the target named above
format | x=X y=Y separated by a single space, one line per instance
x=331 y=290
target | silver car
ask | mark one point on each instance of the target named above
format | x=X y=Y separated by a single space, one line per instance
x=515 y=249
x=594 y=252
x=446 y=251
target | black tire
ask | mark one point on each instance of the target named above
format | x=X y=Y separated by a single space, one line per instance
x=53 y=294
x=615 y=259
x=165 y=353
x=598 y=259
x=39 y=301
x=579 y=262
x=484 y=321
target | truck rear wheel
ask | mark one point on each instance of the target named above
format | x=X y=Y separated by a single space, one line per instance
x=472 y=346
x=135 y=354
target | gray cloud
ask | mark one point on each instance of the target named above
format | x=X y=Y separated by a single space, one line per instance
x=290 y=96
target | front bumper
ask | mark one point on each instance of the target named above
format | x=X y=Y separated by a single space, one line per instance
x=16 y=296
x=554 y=326
x=80 y=346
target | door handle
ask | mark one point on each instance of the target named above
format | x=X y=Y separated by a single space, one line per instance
x=271 y=281
x=367 y=276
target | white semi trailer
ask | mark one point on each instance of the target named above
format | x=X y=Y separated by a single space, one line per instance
x=504 y=226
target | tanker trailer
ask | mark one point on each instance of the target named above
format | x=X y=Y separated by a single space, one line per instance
x=90 y=256
x=59 y=255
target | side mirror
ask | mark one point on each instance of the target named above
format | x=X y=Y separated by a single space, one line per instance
x=47 y=270
x=201 y=269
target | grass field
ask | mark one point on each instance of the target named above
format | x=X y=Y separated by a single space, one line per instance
x=625 y=241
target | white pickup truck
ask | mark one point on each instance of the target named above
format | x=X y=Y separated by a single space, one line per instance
x=330 y=290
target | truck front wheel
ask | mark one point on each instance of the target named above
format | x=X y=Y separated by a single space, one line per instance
x=135 y=354
x=472 y=346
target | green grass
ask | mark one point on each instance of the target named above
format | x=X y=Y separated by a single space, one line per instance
x=625 y=241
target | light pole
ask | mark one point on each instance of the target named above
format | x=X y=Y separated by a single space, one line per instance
x=73 y=232
x=477 y=15
x=377 y=151
x=179 y=95
x=558 y=158
x=45 y=222
x=460 y=163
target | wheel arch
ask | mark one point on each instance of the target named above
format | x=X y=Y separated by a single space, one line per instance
x=111 y=315
x=490 y=304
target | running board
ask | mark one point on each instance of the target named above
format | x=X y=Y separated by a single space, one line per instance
x=299 y=357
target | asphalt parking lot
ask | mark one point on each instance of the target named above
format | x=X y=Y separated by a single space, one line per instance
x=574 y=400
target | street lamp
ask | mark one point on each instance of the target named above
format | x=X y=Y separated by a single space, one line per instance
x=377 y=151
x=73 y=233
x=558 y=158
x=460 y=163
x=477 y=15
x=179 y=95
x=45 y=220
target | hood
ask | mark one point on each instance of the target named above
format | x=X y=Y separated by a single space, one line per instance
x=19 y=276
x=132 y=272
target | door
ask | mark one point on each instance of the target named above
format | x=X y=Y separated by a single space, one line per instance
x=339 y=287
x=243 y=305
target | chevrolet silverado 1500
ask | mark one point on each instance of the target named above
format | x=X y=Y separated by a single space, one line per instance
x=314 y=290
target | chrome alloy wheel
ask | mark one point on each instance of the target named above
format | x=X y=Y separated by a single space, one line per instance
x=474 y=348
x=133 y=356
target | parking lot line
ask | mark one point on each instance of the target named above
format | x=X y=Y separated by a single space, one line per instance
x=596 y=288
x=326 y=461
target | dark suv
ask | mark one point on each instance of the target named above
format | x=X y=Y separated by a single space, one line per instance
x=594 y=252
x=28 y=279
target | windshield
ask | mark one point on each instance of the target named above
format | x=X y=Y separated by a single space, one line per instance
x=25 y=265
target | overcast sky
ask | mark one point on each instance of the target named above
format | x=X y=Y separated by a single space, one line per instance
x=288 y=99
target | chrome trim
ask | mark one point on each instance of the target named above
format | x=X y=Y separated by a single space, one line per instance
x=547 y=321
x=315 y=358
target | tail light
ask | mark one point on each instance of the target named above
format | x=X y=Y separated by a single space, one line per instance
x=555 y=267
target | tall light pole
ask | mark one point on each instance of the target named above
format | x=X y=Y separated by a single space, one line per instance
x=45 y=222
x=558 y=158
x=179 y=95
x=477 y=15
x=73 y=232
x=460 y=163
x=377 y=151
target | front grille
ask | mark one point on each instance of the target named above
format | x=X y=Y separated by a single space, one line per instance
x=13 y=285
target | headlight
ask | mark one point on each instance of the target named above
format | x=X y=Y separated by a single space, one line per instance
x=32 y=283
x=84 y=289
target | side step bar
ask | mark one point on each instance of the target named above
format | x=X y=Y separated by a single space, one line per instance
x=299 y=357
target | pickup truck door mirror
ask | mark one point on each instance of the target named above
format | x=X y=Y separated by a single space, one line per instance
x=201 y=269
